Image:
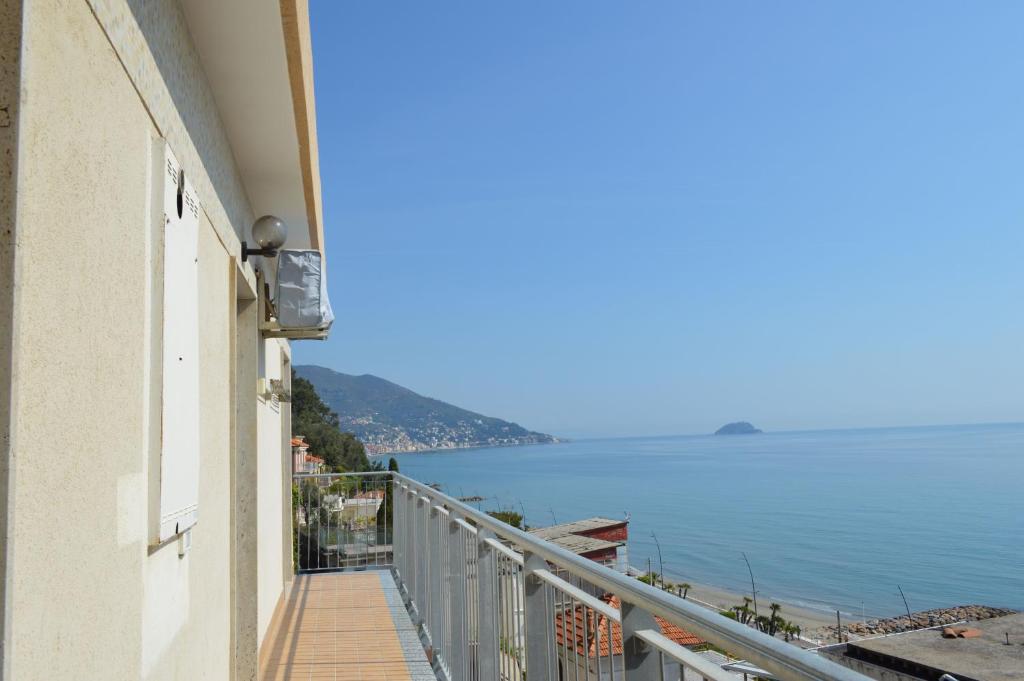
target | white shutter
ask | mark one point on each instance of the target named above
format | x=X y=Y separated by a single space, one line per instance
x=179 y=454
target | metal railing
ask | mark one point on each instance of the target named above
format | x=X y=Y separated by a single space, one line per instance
x=342 y=520
x=494 y=602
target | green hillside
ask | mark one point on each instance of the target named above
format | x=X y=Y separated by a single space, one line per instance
x=389 y=418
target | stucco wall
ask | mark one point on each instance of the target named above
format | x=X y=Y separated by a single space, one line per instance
x=75 y=573
x=10 y=84
x=152 y=40
x=271 y=575
x=88 y=598
x=871 y=671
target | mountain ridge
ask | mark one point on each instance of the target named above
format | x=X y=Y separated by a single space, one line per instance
x=390 y=418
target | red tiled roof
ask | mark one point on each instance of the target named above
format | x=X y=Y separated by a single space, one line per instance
x=370 y=494
x=299 y=442
x=569 y=629
x=313 y=459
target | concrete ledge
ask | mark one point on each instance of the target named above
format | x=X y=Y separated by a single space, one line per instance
x=408 y=636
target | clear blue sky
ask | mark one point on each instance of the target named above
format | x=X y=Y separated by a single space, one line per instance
x=610 y=218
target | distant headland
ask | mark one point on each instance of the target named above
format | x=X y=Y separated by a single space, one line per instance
x=388 y=418
x=737 y=428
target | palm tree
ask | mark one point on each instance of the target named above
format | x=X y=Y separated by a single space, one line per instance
x=743 y=612
x=775 y=623
x=684 y=587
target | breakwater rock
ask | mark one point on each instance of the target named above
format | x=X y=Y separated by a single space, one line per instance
x=917 y=620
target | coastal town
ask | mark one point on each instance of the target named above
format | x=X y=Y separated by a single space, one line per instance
x=382 y=439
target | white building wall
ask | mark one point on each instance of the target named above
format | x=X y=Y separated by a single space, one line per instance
x=87 y=596
x=273 y=455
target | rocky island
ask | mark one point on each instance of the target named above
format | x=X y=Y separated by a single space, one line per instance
x=737 y=428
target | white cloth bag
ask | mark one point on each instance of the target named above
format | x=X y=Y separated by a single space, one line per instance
x=301 y=300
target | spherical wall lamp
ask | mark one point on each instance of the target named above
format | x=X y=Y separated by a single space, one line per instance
x=269 y=233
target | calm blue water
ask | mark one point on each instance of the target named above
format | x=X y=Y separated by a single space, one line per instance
x=829 y=519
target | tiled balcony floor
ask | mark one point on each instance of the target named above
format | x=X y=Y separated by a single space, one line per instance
x=346 y=627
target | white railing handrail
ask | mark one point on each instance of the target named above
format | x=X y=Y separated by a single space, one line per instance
x=683 y=655
x=580 y=595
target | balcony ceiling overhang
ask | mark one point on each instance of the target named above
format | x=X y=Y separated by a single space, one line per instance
x=258 y=59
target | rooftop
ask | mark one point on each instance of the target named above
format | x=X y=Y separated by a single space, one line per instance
x=586 y=641
x=576 y=527
x=986 y=658
x=581 y=545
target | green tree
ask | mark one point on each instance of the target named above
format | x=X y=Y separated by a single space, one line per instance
x=295 y=526
x=385 y=514
x=743 y=612
x=314 y=420
x=508 y=517
x=685 y=588
x=307 y=505
x=307 y=407
x=651 y=578
x=775 y=621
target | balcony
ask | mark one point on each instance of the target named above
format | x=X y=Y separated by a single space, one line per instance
x=400 y=581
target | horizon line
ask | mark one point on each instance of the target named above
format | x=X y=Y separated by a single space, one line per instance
x=799 y=430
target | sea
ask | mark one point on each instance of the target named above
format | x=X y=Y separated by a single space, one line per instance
x=829 y=520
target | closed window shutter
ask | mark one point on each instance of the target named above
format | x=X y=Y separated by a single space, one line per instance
x=179 y=454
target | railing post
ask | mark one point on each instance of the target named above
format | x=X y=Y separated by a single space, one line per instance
x=642 y=663
x=403 y=543
x=540 y=622
x=410 y=544
x=422 y=557
x=487 y=606
x=435 y=622
x=457 y=599
x=397 y=558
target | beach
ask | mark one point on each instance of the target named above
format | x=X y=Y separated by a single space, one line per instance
x=811 y=622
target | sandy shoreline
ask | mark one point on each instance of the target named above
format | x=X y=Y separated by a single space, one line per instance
x=715 y=598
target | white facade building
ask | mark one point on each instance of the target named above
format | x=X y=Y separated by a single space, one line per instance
x=140 y=141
